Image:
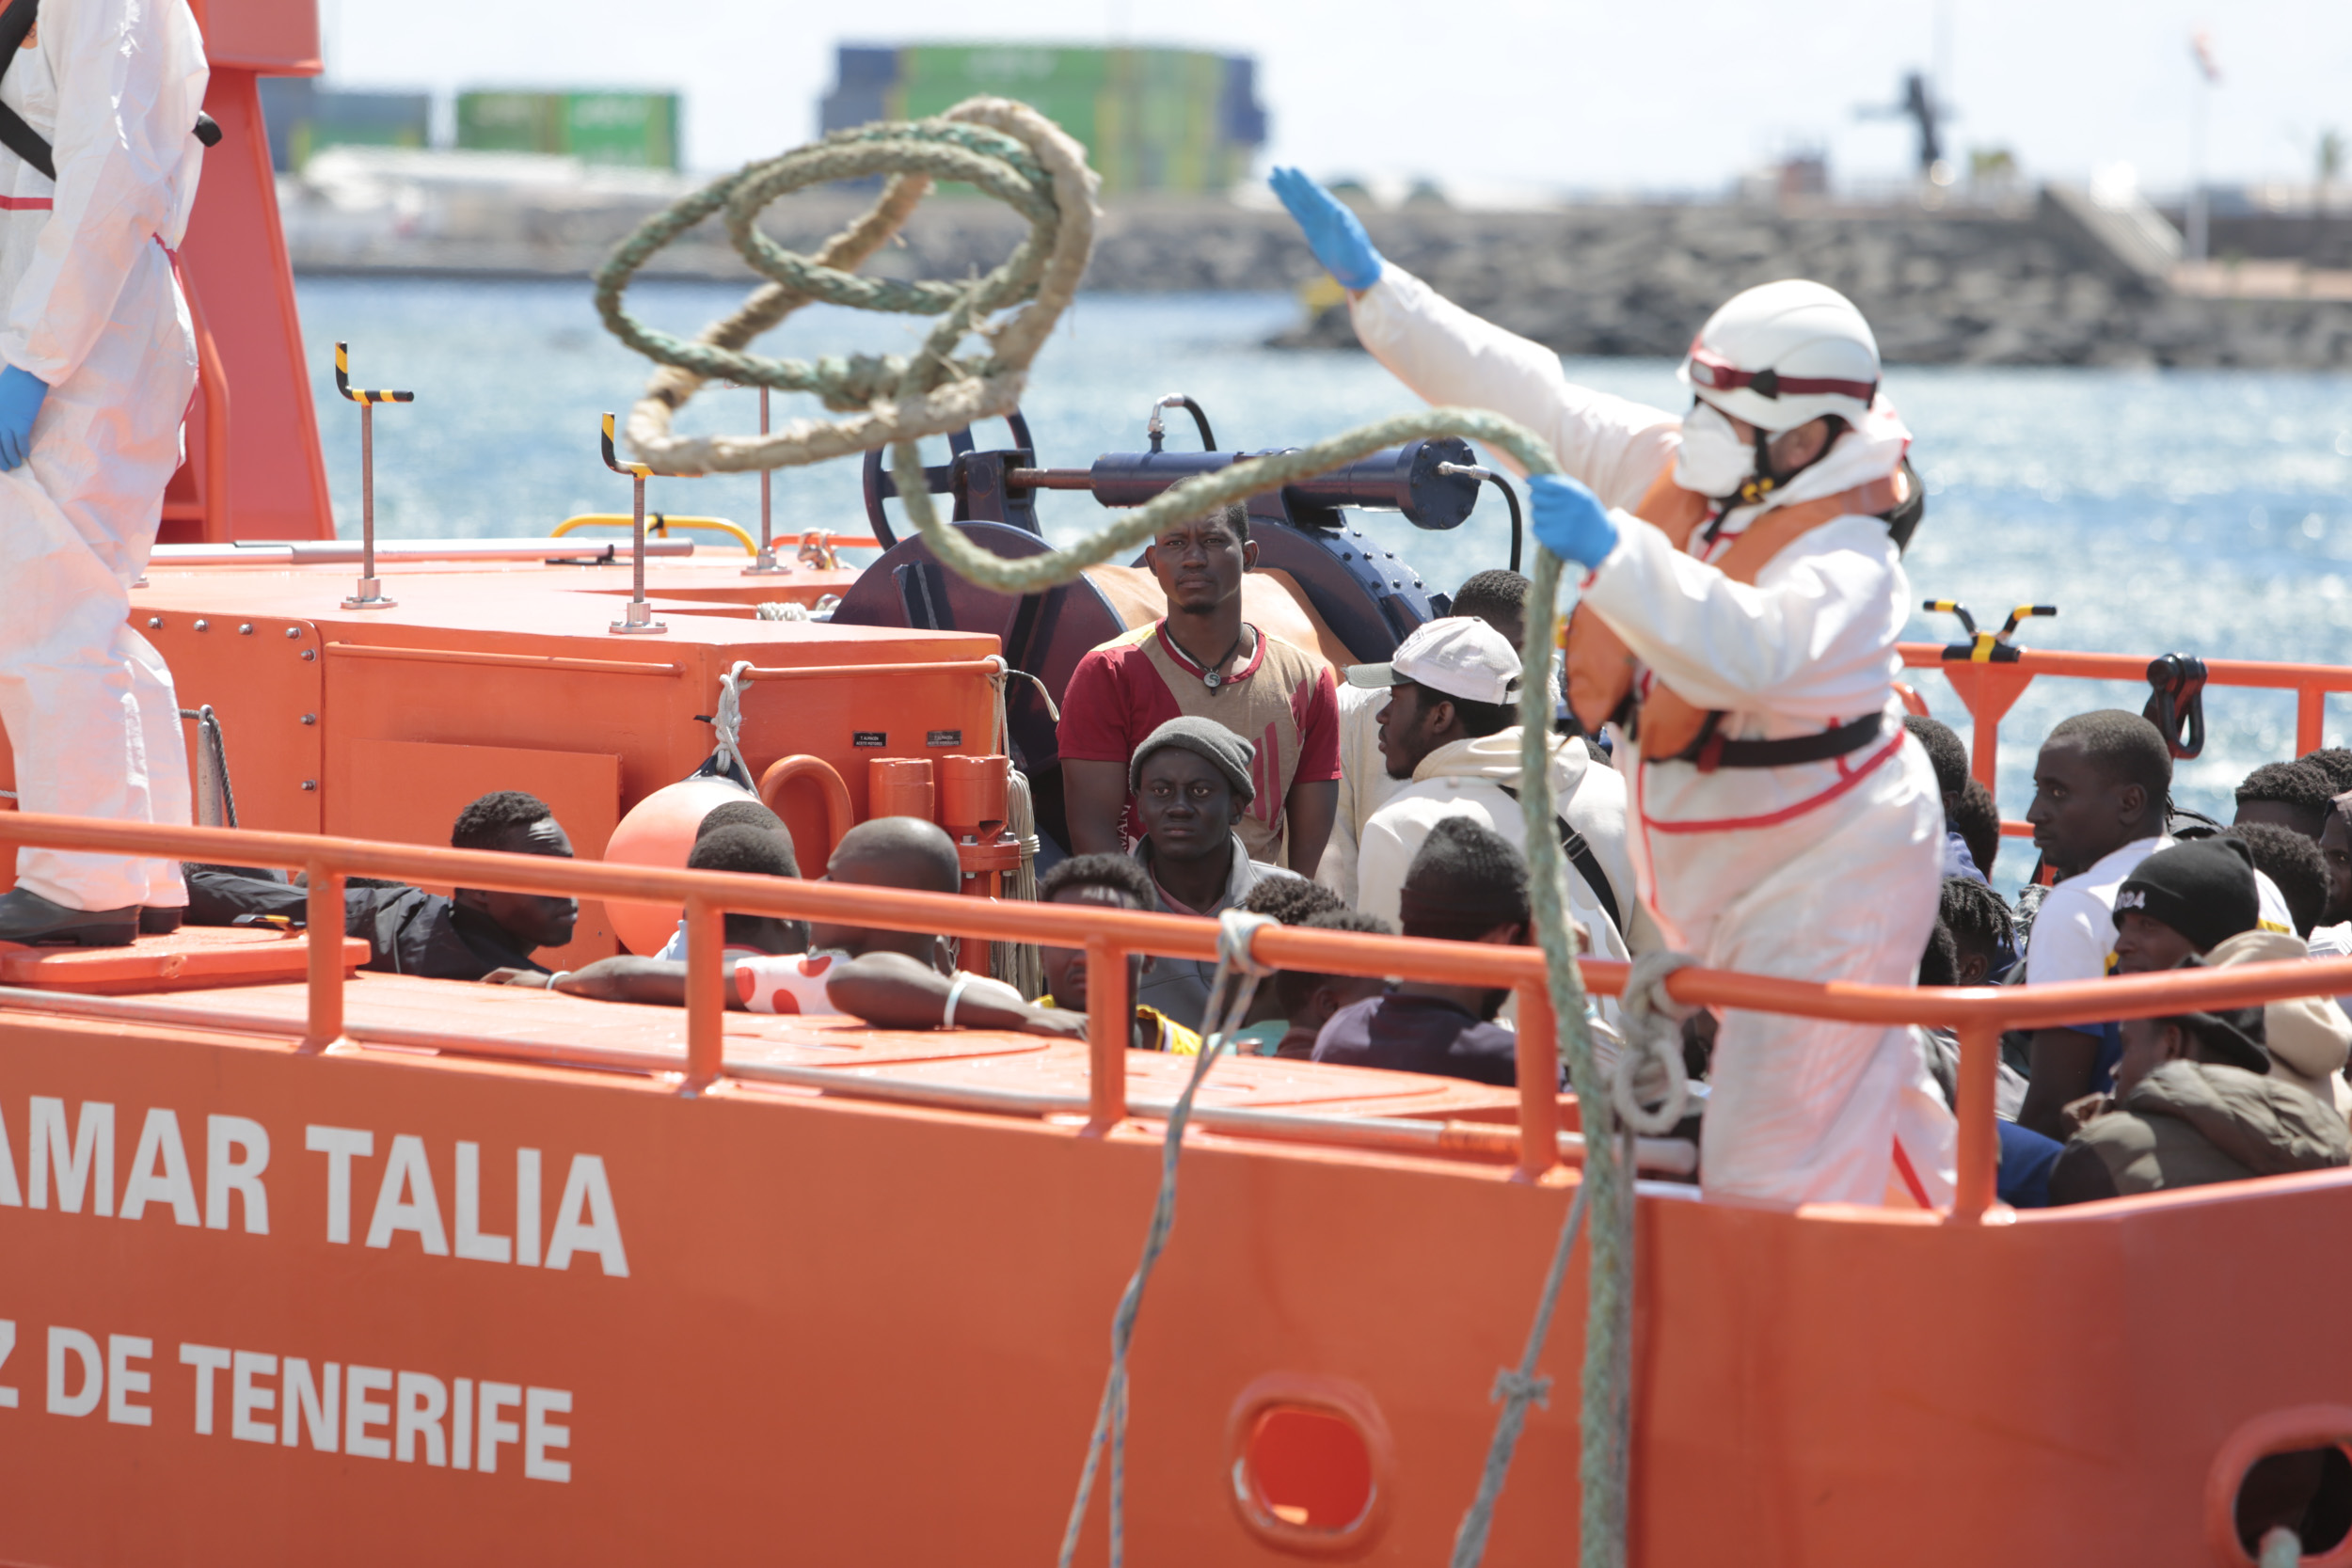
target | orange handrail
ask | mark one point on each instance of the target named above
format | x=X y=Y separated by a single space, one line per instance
x=1988 y=690
x=1979 y=1013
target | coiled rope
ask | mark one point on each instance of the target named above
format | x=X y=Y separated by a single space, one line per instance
x=1017 y=155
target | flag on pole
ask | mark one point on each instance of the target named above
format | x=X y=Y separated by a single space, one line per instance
x=2201 y=45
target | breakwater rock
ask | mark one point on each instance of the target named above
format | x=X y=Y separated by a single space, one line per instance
x=2044 y=281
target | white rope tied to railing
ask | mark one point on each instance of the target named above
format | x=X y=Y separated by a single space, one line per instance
x=1230 y=993
x=728 y=724
x=1650 y=1087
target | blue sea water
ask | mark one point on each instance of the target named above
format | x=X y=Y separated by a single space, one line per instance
x=2203 y=512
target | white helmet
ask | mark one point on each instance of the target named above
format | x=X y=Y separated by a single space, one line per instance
x=1780 y=354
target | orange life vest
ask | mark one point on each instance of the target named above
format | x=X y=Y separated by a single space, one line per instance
x=1602 y=669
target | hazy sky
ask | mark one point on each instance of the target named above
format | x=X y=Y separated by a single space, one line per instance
x=1488 y=93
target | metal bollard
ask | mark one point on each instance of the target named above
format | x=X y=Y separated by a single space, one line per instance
x=638 y=617
x=371 y=592
x=766 y=563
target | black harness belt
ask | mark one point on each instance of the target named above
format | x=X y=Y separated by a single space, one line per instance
x=1711 y=751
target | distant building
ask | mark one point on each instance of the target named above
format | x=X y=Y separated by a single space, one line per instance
x=636 y=129
x=1151 y=119
x=304 y=118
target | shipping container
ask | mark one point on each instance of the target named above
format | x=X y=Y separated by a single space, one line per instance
x=303 y=118
x=637 y=129
x=1151 y=119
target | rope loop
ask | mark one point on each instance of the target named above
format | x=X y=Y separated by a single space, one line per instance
x=1650 y=1067
x=1007 y=150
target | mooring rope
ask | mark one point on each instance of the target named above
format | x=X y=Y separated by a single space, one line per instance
x=1012 y=152
x=1230 y=993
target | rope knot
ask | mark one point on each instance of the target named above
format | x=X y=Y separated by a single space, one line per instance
x=1236 y=930
x=1650 y=1069
x=1519 y=1389
x=727 y=760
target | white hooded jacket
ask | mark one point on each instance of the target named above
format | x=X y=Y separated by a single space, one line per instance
x=1468 y=778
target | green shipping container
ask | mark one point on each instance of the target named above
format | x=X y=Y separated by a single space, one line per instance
x=636 y=129
x=1148 y=119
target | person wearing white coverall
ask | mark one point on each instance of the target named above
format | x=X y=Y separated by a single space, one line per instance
x=1822 y=871
x=101 y=363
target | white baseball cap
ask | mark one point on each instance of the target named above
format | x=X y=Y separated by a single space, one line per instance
x=1460 y=656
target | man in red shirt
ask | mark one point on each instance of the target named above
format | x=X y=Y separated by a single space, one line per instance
x=1203 y=660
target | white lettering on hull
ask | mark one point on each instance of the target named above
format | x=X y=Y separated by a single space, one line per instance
x=400 y=1415
x=69 y=1157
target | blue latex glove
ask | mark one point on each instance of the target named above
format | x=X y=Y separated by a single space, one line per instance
x=21 y=395
x=1333 y=233
x=1569 y=520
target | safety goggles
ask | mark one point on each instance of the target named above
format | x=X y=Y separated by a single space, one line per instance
x=1717 y=374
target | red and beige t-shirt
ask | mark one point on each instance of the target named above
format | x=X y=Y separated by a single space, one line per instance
x=1282 y=701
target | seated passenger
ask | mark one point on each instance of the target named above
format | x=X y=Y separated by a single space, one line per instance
x=1984 y=933
x=1950 y=758
x=2195 y=1103
x=2309 y=1038
x=2334 y=761
x=2332 y=937
x=1192 y=778
x=2183 y=900
x=1497 y=597
x=2100 y=786
x=1466 y=883
x=1291 y=900
x=892 y=979
x=1203 y=660
x=2024 y=1158
x=1450 y=728
x=1115 y=883
x=2293 y=866
x=1978 y=821
x=1309 y=1000
x=469 y=935
x=789 y=936
x=2292 y=794
x=739 y=848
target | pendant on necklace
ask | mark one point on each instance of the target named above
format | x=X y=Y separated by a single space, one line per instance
x=1211 y=680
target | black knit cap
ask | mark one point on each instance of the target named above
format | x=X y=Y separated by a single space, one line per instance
x=2233 y=1034
x=2204 y=889
x=1464 y=873
x=1207 y=739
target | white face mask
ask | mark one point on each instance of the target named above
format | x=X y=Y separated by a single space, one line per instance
x=1713 y=461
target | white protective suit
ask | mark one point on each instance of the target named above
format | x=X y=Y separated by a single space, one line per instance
x=1823 y=871
x=93 y=309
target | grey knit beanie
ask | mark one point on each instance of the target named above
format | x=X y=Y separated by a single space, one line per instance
x=1224 y=750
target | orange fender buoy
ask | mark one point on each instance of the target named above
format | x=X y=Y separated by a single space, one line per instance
x=660 y=830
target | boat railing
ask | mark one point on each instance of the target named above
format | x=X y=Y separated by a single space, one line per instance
x=1989 y=686
x=1978 y=1014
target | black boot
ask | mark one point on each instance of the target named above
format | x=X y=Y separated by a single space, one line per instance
x=161 y=922
x=25 y=916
